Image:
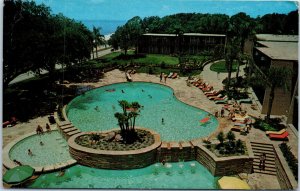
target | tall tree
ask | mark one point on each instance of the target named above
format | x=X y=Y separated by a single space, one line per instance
x=277 y=77
x=98 y=39
x=242 y=26
x=232 y=53
x=35 y=40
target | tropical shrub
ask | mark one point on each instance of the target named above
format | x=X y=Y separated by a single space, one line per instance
x=290 y=158
x=230 y=147
x=273 y=125
x=126 y=120
x=220 y=137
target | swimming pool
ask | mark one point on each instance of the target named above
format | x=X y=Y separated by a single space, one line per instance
x=181 y=121
x=187 y=175
x=54 y=150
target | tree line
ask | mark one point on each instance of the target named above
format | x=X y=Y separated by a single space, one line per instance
x=34 y=39
x=240 y=24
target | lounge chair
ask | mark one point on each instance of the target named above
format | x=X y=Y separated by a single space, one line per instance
x=224 y=101
x=240 y=124
x=220 y=98
x=213 y=93
x=203 y=85
x=171 y=74
x=227 y=106
x=283 y=136
x=213 y=97
x=174 y=75
x=248 y=100
x=207 y=89
x=128 y=77
x=276 y=132
x=240 y=118
x=237 y=129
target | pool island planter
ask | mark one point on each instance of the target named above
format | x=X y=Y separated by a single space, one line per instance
x=108 y=159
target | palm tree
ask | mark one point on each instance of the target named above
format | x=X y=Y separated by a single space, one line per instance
x=135 y=105
x=98 y=38
x=232 y=53
x=121 y=120
x=230 y=136
x=220 y=137
x=126 y=120
x=133 y=115
x=277 y=77
x=124 y=104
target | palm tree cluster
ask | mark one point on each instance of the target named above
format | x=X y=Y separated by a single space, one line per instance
x=231 y=146
x=126 y=120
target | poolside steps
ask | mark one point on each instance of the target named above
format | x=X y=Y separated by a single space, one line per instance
x=259 y=148
x=67 y=130
x=73 y=133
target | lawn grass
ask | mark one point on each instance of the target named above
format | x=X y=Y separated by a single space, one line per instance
x=150 y=59
x=221 y=67
x=157 y=59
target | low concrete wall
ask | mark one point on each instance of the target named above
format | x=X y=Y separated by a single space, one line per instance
x=176 y=151
x=222 y=166
x=285 y=176
x=115 y=159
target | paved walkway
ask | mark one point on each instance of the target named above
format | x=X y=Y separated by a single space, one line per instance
x=190 y=95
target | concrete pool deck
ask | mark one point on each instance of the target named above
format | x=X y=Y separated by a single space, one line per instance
x=188 y=94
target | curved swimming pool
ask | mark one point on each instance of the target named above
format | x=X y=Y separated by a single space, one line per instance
x=181 y=121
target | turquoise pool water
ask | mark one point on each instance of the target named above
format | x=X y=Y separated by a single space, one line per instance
x=181 y=121
x=54 y=150
x=187 y=175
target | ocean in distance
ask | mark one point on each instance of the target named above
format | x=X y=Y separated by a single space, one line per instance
x=107 y=26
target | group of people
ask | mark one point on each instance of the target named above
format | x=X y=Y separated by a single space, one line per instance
x=163 y=75
x=222 y=112
x=39 y=130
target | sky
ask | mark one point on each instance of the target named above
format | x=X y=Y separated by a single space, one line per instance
x=126 y=9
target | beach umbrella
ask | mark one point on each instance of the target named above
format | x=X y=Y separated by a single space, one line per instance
x=18 y=174
x=227 y=182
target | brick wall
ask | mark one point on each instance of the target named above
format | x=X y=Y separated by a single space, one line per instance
x=222 y=166
x=114 y=159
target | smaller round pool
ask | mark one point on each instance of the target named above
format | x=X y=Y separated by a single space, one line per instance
x=54 y=150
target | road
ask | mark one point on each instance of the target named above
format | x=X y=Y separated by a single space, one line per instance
x=31 y=74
